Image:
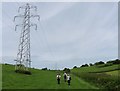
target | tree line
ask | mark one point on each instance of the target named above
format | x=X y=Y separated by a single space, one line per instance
x=108 y=63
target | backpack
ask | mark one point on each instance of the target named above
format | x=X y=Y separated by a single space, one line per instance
x=58 y=77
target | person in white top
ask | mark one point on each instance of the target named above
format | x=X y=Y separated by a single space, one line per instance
x=68 y=79
x=58 y=78
x=65 y=76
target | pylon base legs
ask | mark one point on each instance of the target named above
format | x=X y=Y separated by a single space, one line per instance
x=21 y=69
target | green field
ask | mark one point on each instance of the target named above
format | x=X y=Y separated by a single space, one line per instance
x=96 y=69
x=106 y=77
x=39 y=79
x=0 y=77
x=113 y=73
x=93 y=77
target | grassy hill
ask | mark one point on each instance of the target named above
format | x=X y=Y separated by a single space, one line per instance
x=106 y=77
x=92 y=77
x=39 y=79
x=0 y=77
x=97 y=68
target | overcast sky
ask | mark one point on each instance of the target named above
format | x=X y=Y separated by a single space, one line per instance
x=68 y=34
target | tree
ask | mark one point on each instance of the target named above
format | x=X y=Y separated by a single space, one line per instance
x=74 y=67
x=98 y=63
x=44 y=68
x=67 y=70
x=91 y=64
x=117 y=61
x=86 y=65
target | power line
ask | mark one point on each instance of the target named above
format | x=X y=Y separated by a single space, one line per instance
x=52 y=54
x=43 y=42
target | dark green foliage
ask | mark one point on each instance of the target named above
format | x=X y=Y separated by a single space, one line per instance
x=23 y=72
x=91 y=64
x=98 y=63
x=74 y=67
x=67 y=70
x=6 y=64
x=104 y=76
x=110 y=62
x=101 y=80
x=105 y=65
x=44 y=68
x=86 y=65
x=117 y=61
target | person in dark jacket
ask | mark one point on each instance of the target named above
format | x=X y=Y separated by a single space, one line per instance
x=65 y=76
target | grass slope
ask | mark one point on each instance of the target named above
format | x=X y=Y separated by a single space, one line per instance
x=39 y=80
x=96 y=69
x=106 y=77
x=0 y=77
x=114 y=73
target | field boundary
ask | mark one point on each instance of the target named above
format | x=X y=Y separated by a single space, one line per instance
x=105 y=71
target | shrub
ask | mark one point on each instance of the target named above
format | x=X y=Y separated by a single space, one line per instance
x=101 y=80
x=6 y=64
x=74 y=67
x=67 y=70
x=91 y=64
x=86 y=65
x=117 y=61
x=44 y=68
x=23 y=72
x=98 y=63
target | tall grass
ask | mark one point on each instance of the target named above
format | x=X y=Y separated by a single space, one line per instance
x=101 y=80
x=99 y=77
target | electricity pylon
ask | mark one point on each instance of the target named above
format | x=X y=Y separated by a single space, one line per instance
x=23 y=60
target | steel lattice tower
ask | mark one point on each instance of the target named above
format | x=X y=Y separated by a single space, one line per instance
x=23 y=61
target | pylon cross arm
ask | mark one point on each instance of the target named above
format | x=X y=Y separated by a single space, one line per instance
x=18 y=16
x=35 y=16
x=20 y=25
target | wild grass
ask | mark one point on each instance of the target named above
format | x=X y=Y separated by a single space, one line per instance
x=40 y=79
x=103 y=77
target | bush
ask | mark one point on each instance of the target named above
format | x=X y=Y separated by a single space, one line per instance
x=74 y=67
x=6 y=64
x=44 y=68
x=98 y=63
x=91 y=64
x=23 y=72
x=86 y=65
x=67 y=70
x=101 y=80
x=117 y=61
